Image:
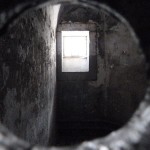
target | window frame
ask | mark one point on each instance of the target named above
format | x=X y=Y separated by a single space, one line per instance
x=92 y=74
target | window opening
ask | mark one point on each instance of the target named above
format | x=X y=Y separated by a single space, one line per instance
x=75 y=51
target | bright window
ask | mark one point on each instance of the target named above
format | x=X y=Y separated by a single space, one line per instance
x=75 y=51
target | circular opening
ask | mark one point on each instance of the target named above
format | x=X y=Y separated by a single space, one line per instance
x=106 y=101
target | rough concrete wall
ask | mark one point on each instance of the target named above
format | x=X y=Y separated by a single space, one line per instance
x=28 y=75
x=121 y=77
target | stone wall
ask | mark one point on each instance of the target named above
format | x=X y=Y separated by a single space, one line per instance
x=28 y=75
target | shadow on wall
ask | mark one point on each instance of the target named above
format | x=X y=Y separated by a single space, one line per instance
x=95 y=105
x=28 y=76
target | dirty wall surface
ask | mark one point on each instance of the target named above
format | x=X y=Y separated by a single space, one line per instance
x=28 y=75
x=96 y=107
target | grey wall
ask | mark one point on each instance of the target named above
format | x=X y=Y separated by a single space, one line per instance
x=109 y=101
x=28 y=75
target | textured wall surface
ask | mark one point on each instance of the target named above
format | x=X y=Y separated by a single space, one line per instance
x=28 y=75
x=136 y=134
x=105 y=104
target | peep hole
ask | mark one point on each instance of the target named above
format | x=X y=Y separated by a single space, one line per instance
x=89 y=108
x=44 y=104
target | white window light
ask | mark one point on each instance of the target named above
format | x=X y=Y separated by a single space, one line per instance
x=75 y=51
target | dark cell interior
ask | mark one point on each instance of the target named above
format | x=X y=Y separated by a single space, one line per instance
x=42 y=104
